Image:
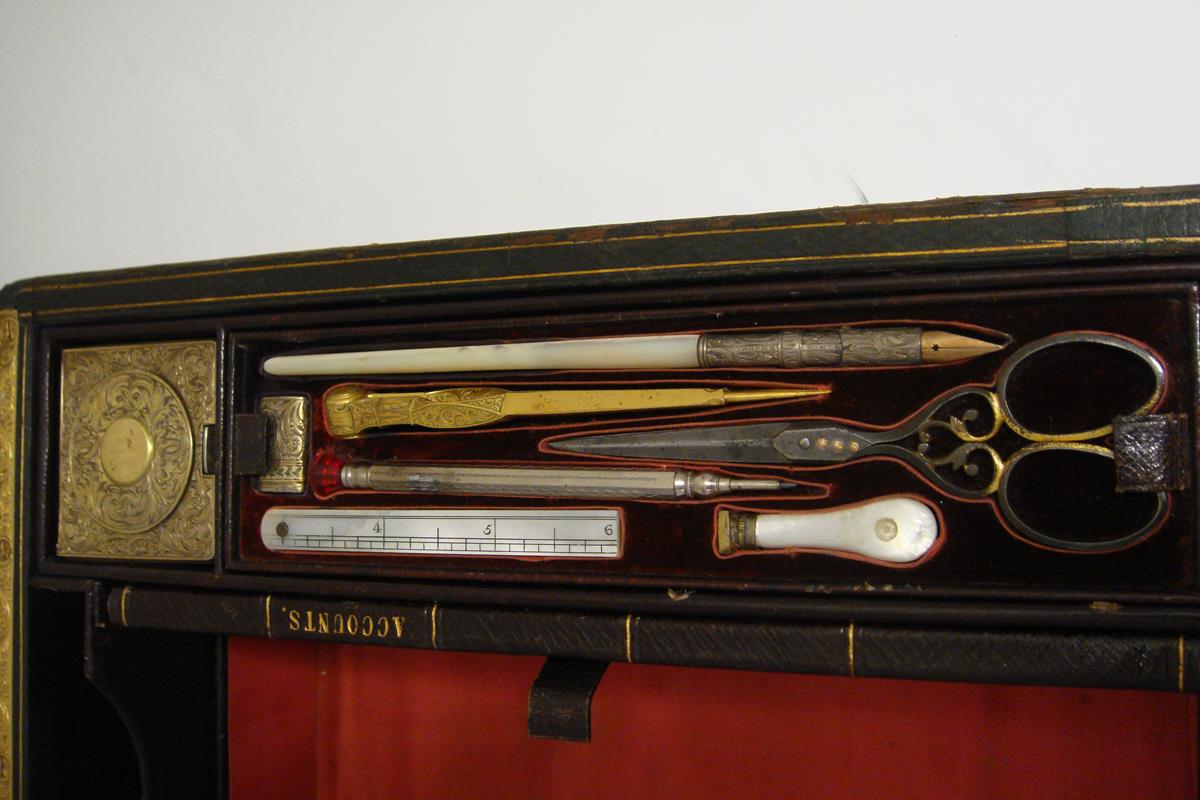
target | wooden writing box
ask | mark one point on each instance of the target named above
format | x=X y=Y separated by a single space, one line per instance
x=145 y=450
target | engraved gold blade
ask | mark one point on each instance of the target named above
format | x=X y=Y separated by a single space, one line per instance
x=615 y=400
x=351 y=409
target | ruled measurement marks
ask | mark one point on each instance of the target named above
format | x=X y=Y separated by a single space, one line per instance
x=559 y=533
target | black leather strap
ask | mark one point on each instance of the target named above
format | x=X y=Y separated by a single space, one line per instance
x=1151 y=452
x=560 y=700
x=250 y=435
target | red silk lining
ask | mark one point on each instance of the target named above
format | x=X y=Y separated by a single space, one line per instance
x=339 y=721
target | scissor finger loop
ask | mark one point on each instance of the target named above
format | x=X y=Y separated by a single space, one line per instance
x=1019 y=522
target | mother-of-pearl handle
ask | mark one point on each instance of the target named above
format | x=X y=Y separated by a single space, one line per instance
x=625 y=352
x=894 y=529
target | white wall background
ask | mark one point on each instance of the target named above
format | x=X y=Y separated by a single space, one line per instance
x=146 y=132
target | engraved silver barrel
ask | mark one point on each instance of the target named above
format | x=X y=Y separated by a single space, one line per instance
x=539 y=482
x=814 y=348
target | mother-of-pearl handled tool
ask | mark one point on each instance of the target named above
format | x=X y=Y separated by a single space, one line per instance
x=794 y=349
x=899 y=530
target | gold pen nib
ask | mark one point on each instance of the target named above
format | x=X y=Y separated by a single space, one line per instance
x=773 y=394
x=939 y=347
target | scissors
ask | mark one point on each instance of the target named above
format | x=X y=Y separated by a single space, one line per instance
x=956 y=440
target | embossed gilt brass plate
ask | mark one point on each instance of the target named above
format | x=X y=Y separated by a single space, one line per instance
x=131 y=483
x=287 y=448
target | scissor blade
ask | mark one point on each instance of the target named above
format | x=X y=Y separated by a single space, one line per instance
x=741 y=444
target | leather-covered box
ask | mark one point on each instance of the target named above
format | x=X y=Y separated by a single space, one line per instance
x=158 y=474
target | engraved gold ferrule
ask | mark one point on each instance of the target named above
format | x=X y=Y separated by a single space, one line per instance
x=735 y=531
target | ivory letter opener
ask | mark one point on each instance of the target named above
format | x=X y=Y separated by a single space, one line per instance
x=794 y=349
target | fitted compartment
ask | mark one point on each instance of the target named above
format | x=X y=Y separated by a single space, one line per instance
x=673 y=543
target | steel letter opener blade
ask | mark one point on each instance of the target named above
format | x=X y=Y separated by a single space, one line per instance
x=754 y=443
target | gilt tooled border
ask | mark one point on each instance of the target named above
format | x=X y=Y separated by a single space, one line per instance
x=9 y=391
x=1062 y=245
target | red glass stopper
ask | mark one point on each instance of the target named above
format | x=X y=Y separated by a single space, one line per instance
x=326 y=474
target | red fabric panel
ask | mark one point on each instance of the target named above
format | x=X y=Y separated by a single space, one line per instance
x=272 y=720
x=339 y=721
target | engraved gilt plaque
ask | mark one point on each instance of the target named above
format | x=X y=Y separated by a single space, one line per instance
x=131 y=483
x=287 y=449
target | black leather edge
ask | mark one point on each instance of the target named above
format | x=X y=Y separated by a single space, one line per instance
x=962 y=233
x=1164 y=662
